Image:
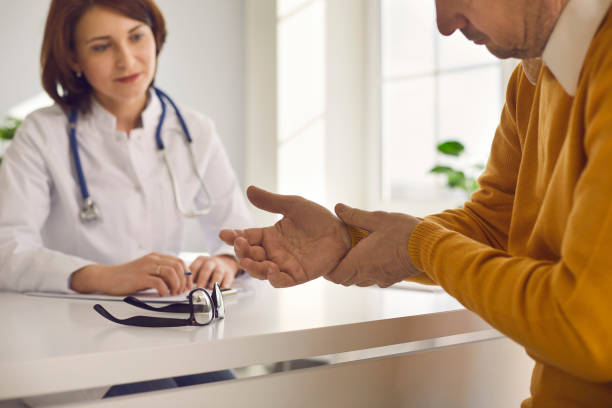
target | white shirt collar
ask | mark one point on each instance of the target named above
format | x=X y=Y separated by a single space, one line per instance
x=570 y=40
x=105 y=120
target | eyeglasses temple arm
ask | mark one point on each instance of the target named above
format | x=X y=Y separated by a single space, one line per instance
x=171 y=308
x=142 y=321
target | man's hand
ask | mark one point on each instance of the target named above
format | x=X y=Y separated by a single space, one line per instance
x=382 y=257
x=308 y=242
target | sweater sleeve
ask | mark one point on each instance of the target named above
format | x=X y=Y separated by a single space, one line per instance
x=486 y=217
x=558 y=310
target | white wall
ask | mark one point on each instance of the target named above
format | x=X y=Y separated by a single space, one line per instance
x=21 y=29
x=202 y=65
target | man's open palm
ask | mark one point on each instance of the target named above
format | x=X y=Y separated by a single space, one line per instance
x=308 y=242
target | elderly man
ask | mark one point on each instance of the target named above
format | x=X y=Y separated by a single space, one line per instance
x=531 y=252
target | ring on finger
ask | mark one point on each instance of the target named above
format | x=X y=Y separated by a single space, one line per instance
x=158 y=270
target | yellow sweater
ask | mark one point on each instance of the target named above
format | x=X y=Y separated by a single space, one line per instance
x=531 y=253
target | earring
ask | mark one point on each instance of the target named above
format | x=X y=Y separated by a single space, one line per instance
x=79 y=74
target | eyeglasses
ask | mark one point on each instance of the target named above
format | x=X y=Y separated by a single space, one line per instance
x=203 y=308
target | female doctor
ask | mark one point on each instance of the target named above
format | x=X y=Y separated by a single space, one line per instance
x=95 y=189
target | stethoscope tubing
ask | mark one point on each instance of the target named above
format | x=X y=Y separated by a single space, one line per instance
x=74 y=147
x=89 y=211
x=162 y=95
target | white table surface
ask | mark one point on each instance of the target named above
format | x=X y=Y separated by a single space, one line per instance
x=51 y=345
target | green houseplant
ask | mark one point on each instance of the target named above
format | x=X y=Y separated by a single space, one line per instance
x=463 y=178
x=7 y=130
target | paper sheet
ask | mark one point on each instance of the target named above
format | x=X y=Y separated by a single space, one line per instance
x=149 y=296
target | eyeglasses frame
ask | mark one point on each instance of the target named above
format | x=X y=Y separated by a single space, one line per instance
x=216 y=302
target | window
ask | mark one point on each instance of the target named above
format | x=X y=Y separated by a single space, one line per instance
x=431 y=88
x=301 y=128
x=23 y=109
x=357 y=94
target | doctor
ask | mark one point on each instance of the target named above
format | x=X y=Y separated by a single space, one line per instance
x=96 y=188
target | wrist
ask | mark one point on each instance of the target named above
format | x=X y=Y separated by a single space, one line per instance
x=90 y=278
x=231 y=260
x=355 y=235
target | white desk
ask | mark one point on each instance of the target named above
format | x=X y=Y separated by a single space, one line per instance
x=53 y=345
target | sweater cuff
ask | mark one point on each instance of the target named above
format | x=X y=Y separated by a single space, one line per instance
x=421 y=245
x=357 y=234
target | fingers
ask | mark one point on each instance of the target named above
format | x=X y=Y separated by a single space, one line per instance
x=216 y=277
x=228 y=236
x=241 y=248
x=210 y=270
x=158 y=284
x=173 y=271
x=204 y=272
x=264 y=200
x=244 y=250
x=164 y=273
x=267 y=270
x=196 y=265
x=253 y=235
x=227 y=281
x=346 y=270
x=366 y=220
x=168 y=275
x=252 y=259
x=258 y=270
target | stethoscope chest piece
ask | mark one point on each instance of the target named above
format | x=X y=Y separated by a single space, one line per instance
x=90 y=211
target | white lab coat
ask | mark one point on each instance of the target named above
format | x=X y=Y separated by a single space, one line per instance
x=42 y=239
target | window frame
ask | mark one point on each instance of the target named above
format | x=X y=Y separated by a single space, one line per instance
x=353 y=100
x=376 y=196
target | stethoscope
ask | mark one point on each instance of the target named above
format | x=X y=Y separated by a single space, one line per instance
x=90 y=211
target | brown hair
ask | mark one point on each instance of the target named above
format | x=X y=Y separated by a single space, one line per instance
x=58 y=79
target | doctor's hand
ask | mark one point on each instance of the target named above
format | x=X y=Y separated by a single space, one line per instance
x=208 y=270
x=308 y=242
x=381 y=258
x=164 y=273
